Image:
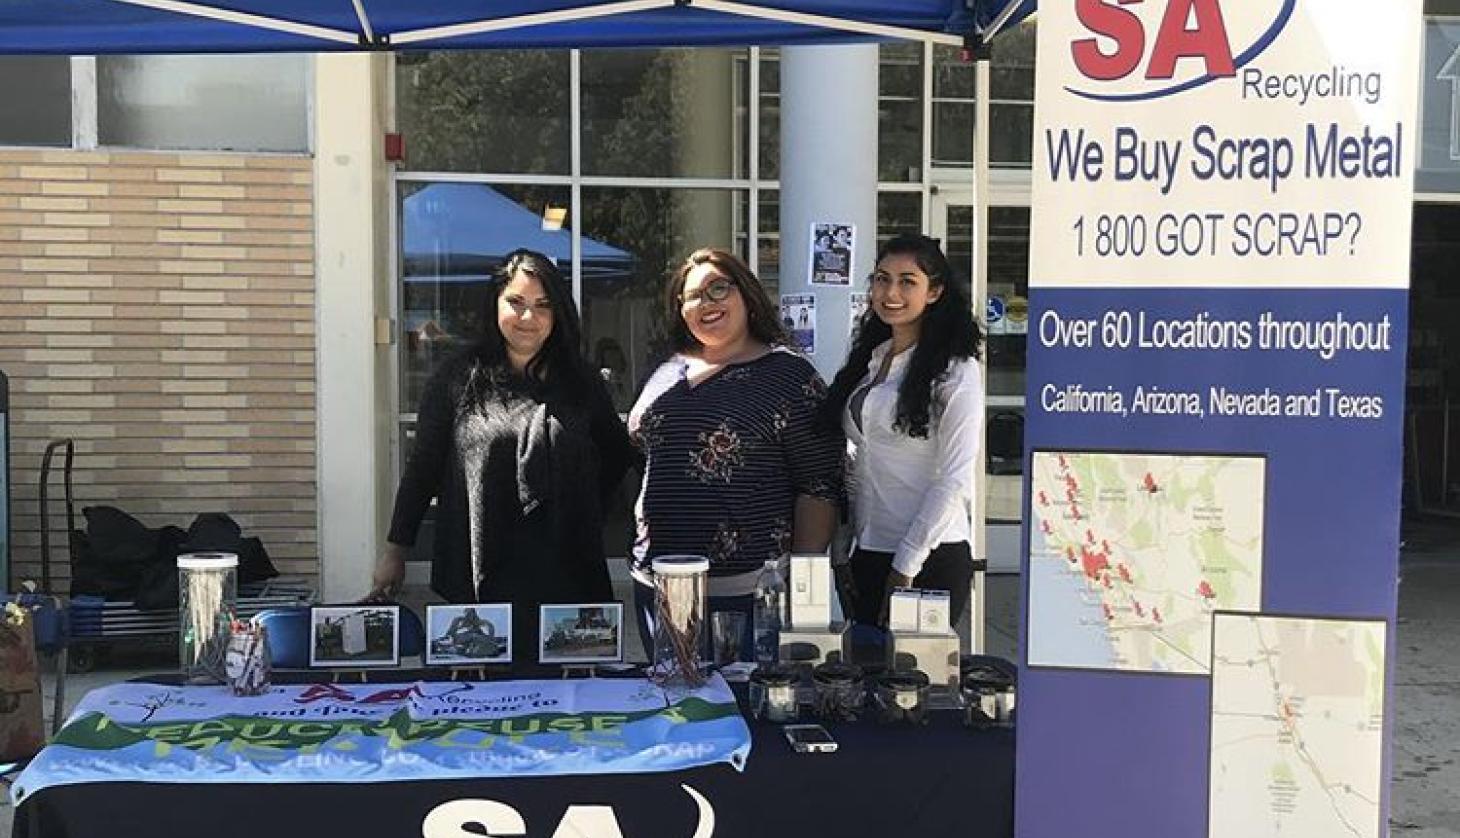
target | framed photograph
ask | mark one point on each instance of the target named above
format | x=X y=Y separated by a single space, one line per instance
x=469 y=635
x=590 y=632
x=354 y=636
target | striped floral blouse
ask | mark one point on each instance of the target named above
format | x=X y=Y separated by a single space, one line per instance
x=726 y=459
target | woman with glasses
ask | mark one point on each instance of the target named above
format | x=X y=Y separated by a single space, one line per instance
x=738 y=470
x=911 y=404
x=518 y=442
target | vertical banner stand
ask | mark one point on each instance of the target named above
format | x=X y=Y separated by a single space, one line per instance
x=1219 y=266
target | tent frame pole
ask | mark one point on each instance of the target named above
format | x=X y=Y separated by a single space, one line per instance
x=246 y=19
x=367 y=37
x=982 y=123
x=1001 y=21
x=824 y=22
x=478 y=27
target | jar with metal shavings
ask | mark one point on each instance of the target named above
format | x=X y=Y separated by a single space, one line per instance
x=839 y=691
x=988 y=694
x=902 y=697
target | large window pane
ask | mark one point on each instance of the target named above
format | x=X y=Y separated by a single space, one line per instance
x=770 y=240
x=453 y=235
x=1011 y=141
x=897 y=213
x=900 y=113
x=37 y=107
x=1008 y=266
x=1439 y=158
x=223 y=102
x=502 y=111
x=1012 y=66
x=662 y=113
x=1432 y=438
x=655 y=229
x=953 y=124
x=953 y=78
x=770 y=114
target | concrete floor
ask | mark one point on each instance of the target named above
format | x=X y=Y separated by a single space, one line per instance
x=1426 y=697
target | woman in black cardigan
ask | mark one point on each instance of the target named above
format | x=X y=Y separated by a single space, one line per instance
x=519 y=441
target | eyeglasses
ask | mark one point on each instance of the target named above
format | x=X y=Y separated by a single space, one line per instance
x=716 y=291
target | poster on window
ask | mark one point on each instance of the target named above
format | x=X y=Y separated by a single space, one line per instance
x=832 y=246
x=798 y=315
x=857 y=309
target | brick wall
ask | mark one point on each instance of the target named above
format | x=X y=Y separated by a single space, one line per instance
x=159 y=309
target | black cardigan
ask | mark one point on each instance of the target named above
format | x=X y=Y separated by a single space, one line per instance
x=521 y=471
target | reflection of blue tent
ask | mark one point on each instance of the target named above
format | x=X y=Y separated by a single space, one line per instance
x=461 y=231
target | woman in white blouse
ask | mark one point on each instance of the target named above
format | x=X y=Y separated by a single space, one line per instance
x=911 y=404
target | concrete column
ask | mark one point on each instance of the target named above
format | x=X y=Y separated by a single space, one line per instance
x=828 y=173
x=355 y=408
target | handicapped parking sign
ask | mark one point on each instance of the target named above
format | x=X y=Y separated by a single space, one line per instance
x=994 y=315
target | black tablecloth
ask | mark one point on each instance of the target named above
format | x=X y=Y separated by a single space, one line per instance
x=940 y=779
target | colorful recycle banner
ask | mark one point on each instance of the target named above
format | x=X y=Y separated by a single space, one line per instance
x=382 y=732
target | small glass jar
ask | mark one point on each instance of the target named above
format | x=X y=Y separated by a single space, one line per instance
x=773 y=694
x=902 y=697
x=207 y=586
x=681 y=619
x=839 y=691
x=988 y=695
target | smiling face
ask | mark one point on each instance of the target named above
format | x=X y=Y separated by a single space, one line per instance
x=524 y=315
x=901 y=292
x=713 y=308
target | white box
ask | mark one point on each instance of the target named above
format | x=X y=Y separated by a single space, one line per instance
x=902 y=613
x=810 y=591
x=933 y=617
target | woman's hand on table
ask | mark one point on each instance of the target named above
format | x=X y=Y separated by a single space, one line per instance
x=390 y=574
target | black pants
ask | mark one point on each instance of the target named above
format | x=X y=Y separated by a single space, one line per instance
x=948 y=568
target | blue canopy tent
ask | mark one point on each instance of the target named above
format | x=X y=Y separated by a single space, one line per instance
x=86 y=27
x=460 y=231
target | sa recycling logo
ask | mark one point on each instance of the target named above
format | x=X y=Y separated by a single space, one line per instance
x=476 y=817
x=1191 y=36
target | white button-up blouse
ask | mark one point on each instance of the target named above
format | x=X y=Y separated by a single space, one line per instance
x=911 y=494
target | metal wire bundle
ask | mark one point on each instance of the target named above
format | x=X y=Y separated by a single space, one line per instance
x=248 y=664
x=679 y=626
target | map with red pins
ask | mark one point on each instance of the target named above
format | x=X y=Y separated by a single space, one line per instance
x=1131 y=554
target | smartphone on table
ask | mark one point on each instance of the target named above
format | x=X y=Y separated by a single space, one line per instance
x=809 y=739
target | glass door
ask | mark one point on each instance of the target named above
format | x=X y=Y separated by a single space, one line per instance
x=1005 y=317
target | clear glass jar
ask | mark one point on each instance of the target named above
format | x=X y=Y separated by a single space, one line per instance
x=773 y=694
x=681 y=618
x=988 y=693
x=839 y=691
x=902 y=697
x=207 y=590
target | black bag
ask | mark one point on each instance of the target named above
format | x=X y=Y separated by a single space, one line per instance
x=215 y=532
x=119 y=558
x=110 y=556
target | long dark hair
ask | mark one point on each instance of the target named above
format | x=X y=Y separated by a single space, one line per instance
x=560 y=358
x=949 y=331
x=762 y=316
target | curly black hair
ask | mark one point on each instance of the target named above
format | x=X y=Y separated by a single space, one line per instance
x=948 y=331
